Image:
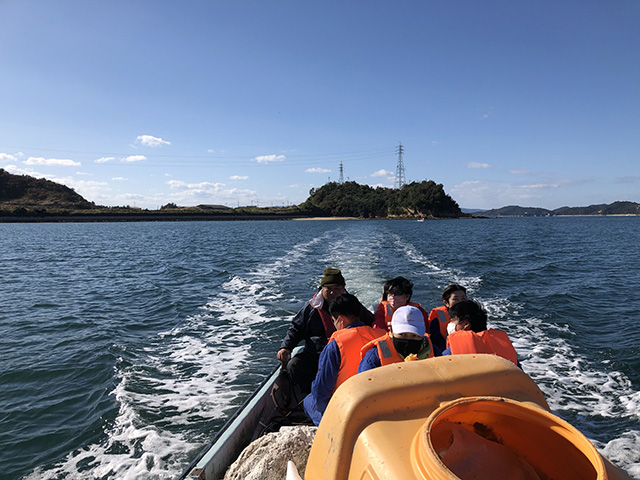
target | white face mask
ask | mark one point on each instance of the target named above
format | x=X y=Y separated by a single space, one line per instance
x=451 y=327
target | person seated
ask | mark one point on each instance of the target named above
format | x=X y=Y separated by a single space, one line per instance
x=340 y=358
x=439 y=316
x=313 y=324
x=406 y=341
x=396 y=293
x=470 y=334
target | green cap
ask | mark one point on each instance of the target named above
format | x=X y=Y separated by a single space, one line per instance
x=332 y=276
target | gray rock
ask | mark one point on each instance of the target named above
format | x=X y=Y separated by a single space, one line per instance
x=266 y=458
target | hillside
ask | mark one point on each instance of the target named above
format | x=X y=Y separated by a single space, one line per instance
x=23 y=191
x=615 y=208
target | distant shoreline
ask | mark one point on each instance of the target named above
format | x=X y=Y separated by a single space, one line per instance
x=140 y=217
x=153 y=217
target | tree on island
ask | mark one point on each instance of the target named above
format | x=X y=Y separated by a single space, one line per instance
x=350 y=199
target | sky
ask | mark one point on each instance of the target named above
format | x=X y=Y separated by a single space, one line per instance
x=144 y=103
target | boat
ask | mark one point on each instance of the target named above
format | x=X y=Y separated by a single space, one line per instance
x=260 y=414
x=438 y=418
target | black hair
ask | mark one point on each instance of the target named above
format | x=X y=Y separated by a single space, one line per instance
x=472 y=312
x=397 y=286
x=345 y=304
x=449 y=289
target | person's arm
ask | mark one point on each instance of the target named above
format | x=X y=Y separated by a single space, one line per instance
x=439 y=343
x=296 y=330
x=325 y=381
x=370 y=360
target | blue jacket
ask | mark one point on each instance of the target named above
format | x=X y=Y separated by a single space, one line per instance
x=325 y=382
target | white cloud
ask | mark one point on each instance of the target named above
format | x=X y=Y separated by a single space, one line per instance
x=151 y=141
x=104 y=160
x=133 y=158
x=119 y=178
x=19 y=171
x=238 y=177
x=202 y=187
x=207 y=192
x=5 y=157
x=489 y=114
x=383 y=173
x=52 y=162
x=269 y=158
x=317 y=170
x=520 y=171
x=478 y=165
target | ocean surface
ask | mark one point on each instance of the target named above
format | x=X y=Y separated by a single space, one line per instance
x=125 y=346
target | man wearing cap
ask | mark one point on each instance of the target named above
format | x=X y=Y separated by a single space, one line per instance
x=340 y=358
x=406 y=341
x=314 y=325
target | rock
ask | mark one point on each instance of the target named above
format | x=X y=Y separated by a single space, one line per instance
x=266 y=458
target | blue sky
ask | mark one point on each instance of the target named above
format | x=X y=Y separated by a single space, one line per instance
x=143 y=103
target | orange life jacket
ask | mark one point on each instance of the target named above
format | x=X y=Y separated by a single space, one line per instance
x=350 y=342
x=386 y=351
x=489 y=341
x=442 y=314
x=388 y=314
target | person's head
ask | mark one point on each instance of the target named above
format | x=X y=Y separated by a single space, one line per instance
x=407 y=322
x=332 y=284
x=398 y=292
x=468 y=315
x=344 y=310
x=453 y=294
x=407 y=330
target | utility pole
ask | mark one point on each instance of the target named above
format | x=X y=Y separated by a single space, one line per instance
x=400 y=181
x=341 y=174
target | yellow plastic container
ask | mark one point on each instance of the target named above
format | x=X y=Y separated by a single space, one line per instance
x=395 y=422
x=494 y=437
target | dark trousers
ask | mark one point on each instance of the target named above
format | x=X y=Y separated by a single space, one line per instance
x=302 y=369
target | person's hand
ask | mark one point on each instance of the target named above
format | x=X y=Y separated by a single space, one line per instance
x=284 y=355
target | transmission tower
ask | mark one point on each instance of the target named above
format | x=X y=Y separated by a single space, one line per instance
x=341 y=180
x=400 y=181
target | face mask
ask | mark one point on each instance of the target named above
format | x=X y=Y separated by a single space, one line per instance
x=406 y=347
x=451 y=327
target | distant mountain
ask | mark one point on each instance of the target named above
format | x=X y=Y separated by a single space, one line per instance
x=29 y=192
x=616 y=208
x=517 y=211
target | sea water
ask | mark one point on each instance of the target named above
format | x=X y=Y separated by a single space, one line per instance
x=125 y=346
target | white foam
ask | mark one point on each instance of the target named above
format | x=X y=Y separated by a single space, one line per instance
x=190 y=373
x=573 y=386
x=443 y=274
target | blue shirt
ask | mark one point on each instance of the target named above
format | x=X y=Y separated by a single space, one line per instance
x=370 y=360
x=325 y=382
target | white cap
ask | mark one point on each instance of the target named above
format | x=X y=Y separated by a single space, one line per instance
x=408 y=319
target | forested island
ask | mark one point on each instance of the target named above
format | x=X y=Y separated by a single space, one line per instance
x=24 y=198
